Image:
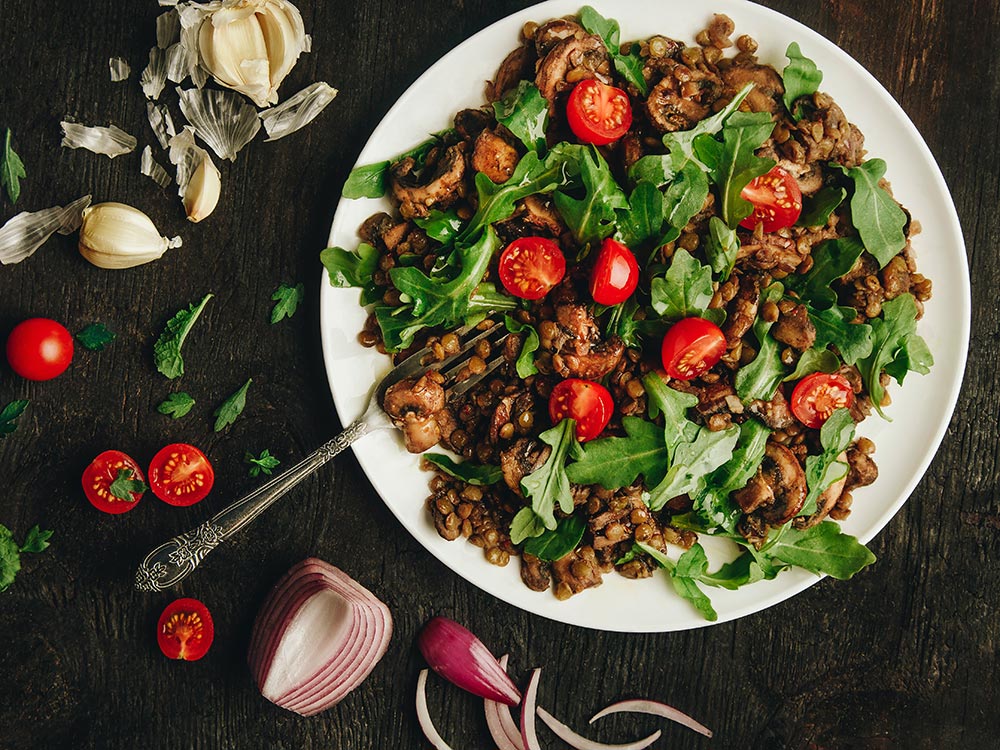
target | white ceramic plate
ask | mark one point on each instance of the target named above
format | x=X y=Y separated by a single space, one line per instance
x=920 y=411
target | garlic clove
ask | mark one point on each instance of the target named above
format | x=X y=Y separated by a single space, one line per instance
x=235 y=53
x=202 y=193
x=284 y=35
x=115 y=235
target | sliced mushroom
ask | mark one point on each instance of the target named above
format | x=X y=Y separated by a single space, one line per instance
x=521 y=459
x=777 y=491
x=570 y=61
x=494 y=157
x=443 y=188
x=681 y=98
x=517 y=66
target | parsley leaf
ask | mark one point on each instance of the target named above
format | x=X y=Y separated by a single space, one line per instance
x=265 y=463
x=10 y=552
x=823 y=470
x=11 y=170
x=552 y=545
x=817 y=209
x=288 y=299
x=525 y=113
x=36 y=540
x=896 y=348
x=11 y=412
x=167 y=349
x=874 y=213
x=548 y=485
x=591 y=217
x=685 y=290
x=468 y=471
x=801 y=78
x=615 y=462
x=761 y=377
x=721 y=247
x=232 y=407
x=124 y=485
x=525 y=364
x=95 y=337
x=176 y=405
x=630 y=65
x=823 y=548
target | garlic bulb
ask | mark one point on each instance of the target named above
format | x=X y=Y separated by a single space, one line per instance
x=114 y=235
x=251 y=45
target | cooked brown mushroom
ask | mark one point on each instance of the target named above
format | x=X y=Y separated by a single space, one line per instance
x=570 y=61
x=494 y=157
x=445 y=186
x=825 y=502
x=418 y=408
x=682 y=97
x=522 y=458
x=778 y=490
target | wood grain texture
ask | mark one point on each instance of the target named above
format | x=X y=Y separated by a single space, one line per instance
x=904 y=656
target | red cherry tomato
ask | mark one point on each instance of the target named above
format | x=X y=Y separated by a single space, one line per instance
x=817 y=396
x=180 y=474
x=615 y=274
x=531 y=266
x=102 y=472
x=185 y=630
x=39 y=349
x=692 y=347
x=586 y=402
x=776 y=199
x=598 y=113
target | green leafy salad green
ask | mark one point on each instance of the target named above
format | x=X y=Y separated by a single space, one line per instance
x=685 y=206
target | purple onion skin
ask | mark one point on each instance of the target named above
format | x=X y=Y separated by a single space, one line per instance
x=460 y=657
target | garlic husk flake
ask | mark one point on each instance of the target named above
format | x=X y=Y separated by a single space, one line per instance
x=154 y=75
x=198 y=181
x=220 y=118
x=297 y=111
x=161 y=123
x=168 y=26
x=116 y=235
x=152 y=169
x=111 y=141
x=25 y=233
x=120 y=69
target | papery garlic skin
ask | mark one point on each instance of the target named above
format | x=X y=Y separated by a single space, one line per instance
x=115 y=236
x=251 y=45
x=202 y=193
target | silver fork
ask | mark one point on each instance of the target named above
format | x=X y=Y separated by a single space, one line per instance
x=174 y=560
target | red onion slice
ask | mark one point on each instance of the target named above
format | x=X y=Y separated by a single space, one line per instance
x=501 y=724
x=656 y=709
x=424 y=717
x=579 y=742
x=461 y=658
x=528 y=735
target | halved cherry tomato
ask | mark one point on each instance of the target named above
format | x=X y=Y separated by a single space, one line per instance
x=776 y=199
x=817 y=396
x=692 y=347
x=39 y=349
x=180 y=474
x=615 y=274
x=586 y=402
x=102 y=472
x=598 y=113
x=185 y=630
x=531 y=266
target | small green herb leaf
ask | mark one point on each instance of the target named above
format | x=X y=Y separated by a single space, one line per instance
x=11 y=170
x=167 y=349
x=525 y=113
x=525 y=525
x=366 y=181
x=616 y=461
x=834 y=326
x=10 y=552
x=95 y=337
x=874 y=213
x=176 y=405
x=692 y=462
x=548 y=485
x=814 y=360
x=559 y=542
x=36 y=540
x=684 y=575
x=683 y=199
x=685 y=290
x=801 y=78
x=721 y=247
x=442 y=226
x=824 y=548
x=232 y=407
x=714 y=505
x=10 y=413
x=525 y=364
x=288 y=299
x=644 y=217
x=592 y=217
x=347 y=268
x=817 y=209
x=467 y=471
x=831 y=260
x=265 y=463
x=761 y=377
x=629 y=65
x=124 y=486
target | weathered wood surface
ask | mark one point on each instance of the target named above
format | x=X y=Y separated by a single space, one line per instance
x=904 y=656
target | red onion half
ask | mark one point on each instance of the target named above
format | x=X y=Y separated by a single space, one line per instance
x=656 y=709
x=580 y=742
x=460 y=657
x=501 y=724
x=318 y=635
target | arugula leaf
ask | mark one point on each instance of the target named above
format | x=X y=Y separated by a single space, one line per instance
x=10 y=552
x=346 y=268
x=11 y=412
x=95 y=337
x=369 y=180
x=692 y=462
x=814 y=360
x=823 y=548
x=176 y=405
x=745 y=569
x=874 y=213
x=834 y=326
x=685 y=290
x=831 y=260
x=435 y=302
x=762 y=376
x=548 y=485
x=11 y=170
x=801 y=78
x=721 y=247
x=559 y=542
x=713 y=505
x=629 y=66
x=525 y=364
x=525 y=113
x=36 y=540
x=615 y=462
x=265 y=463
x=467 y=471
x=124 y=485
x=643 y=218
x=823 y=470
x=623 y=323
x=684 y=576
x=232 y=407
x=672 y=404
x=442 y=226
x=525 y=525
x=652 y=168
x=681 y=145
x=592 y=217
x=167 y=349
x=817 y=209
x=683 y=199
x=732 y=164
x=288 y=299
x=896 y=348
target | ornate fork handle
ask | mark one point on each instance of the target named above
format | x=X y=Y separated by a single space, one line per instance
x=174 y=560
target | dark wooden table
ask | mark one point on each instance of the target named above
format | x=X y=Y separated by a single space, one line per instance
x=904 y=656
